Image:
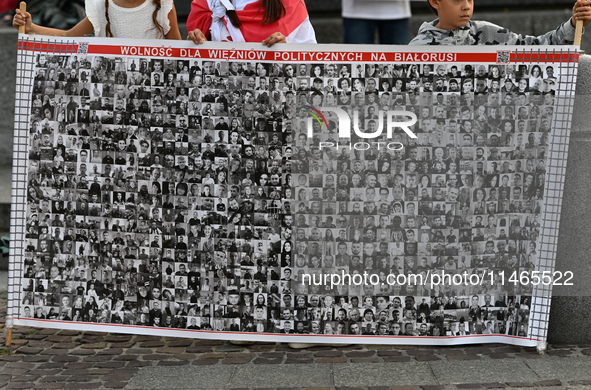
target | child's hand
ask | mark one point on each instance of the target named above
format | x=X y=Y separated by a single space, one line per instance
x=581 y=11
x=22 y=19
x=196 y=36
x=274 y=38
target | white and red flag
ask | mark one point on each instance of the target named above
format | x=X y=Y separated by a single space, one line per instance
x=210 y=17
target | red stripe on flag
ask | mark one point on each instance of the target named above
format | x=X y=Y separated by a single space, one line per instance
x=253 y=28
x=251 y=17
x=200 y=17
x=8 y=5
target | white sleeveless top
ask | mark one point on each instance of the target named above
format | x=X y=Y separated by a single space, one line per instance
x=129 y=22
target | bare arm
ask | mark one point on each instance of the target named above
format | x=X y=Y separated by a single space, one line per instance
x=83 y=28
x=174 y=32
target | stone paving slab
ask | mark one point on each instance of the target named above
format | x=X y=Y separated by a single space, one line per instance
x=566 y=369
x=293 y=375
x=386 y=374
x=424 y=387
x=203 y=377
x=451 y=372
x=47 y=358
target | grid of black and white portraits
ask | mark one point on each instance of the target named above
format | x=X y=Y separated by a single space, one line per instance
x=187 y=194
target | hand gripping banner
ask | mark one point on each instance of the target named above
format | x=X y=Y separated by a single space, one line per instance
x=326 y=194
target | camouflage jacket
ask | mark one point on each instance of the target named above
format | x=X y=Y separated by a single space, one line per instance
x=486 y=33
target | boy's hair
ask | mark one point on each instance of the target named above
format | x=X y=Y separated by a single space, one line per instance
x=157 y=3
x=432 y=8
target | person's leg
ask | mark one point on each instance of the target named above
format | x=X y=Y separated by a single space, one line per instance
x=393 y=32
x=359 y=31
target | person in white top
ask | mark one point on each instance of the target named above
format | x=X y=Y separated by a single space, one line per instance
x=142 y=19
x=361 y=18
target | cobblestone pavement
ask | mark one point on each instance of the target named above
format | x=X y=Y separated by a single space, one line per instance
x=56 y=359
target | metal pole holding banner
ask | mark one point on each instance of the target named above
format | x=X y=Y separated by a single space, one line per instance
x=21 y=29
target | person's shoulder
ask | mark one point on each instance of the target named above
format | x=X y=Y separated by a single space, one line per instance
x=487 y=27
x=426 y=33
x=483 y=24
x=165 y=7
x=490 y=33
x=94 y=5
x=95 y=11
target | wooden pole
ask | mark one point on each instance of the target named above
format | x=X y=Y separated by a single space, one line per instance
x=8 y=326
x=21 y=29
x=578 y=32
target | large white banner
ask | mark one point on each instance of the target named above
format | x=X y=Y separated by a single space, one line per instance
x=327 y=193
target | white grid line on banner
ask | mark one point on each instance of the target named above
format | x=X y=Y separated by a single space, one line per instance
x=559 y=145
x=18 y=214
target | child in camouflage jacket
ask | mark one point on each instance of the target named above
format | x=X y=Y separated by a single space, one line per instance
x=454 y=27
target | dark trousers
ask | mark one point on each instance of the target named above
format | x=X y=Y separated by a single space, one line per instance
x=391 y=32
